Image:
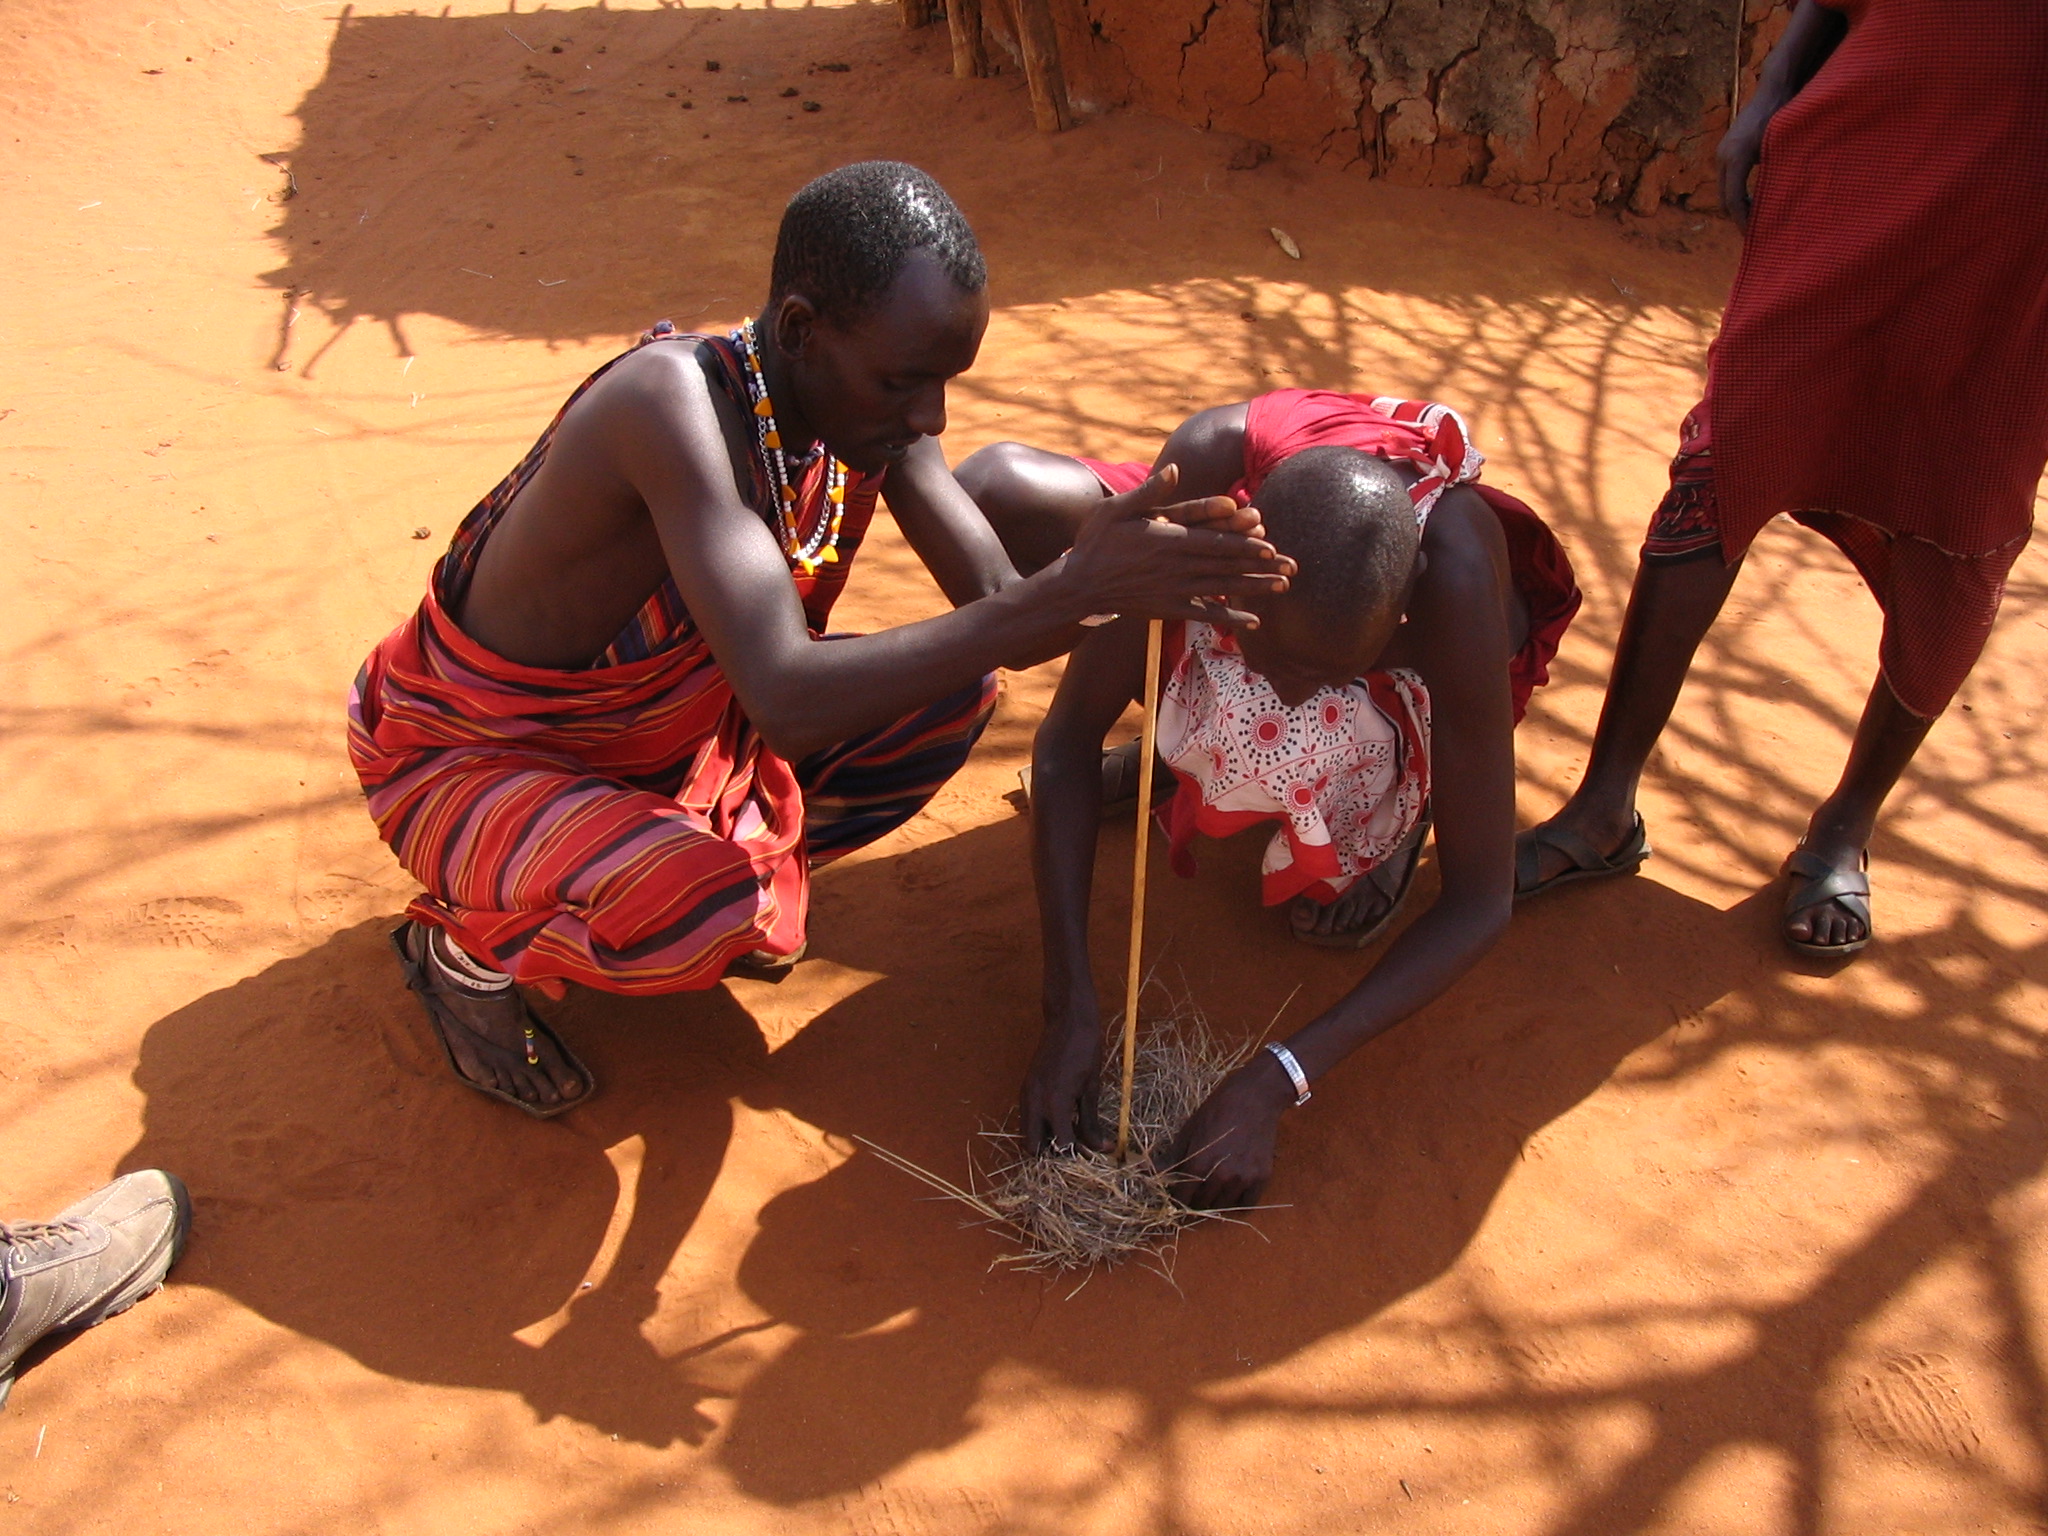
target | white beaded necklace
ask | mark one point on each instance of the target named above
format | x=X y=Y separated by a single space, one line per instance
x=822 y=547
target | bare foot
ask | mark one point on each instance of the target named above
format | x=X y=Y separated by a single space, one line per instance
x=1353 y=912
x=493 y=1035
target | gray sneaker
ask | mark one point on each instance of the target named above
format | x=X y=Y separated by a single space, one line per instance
x=98 y=1258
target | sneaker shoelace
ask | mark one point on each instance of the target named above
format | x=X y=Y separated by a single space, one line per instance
x=41 y=1239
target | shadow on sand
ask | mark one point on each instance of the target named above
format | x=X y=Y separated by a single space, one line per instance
x=437 y=1238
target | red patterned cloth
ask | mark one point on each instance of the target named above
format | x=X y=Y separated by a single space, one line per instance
x=1883 y=359
x=1346 y=774
x=623 y=825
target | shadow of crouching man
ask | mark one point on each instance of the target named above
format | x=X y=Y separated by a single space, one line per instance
x=347 y=1189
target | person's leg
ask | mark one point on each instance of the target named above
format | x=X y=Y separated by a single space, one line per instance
x=538 y=874
x=1886 y=738
x=1939 y=610
x=1670 y=609
x=866 y=787
x=1035 y=500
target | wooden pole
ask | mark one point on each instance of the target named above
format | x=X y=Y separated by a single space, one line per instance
x=916 y=13
x=1148 y=740
x=970 y=50
x=1039 y=40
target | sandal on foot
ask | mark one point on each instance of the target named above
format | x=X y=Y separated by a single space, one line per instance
x=1815 y=883
x=1407 y=858
x=1120 y=778
x=1587 y=862
x=760 y=965
x=410 y=939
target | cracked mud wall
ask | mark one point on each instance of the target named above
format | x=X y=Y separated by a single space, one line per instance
x=1574 y=104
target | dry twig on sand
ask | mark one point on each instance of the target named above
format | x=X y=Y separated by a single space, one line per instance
x=1081 y=1209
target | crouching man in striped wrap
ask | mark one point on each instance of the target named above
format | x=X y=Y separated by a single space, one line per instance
x=615 y=737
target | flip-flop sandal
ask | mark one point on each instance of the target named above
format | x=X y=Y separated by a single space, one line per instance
x=759 y=965
x=1587 y=862
x=403 y=939
x=1120 y=778
x=1411 y=848
x=1816 y=882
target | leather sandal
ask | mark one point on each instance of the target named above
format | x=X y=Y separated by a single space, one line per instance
x=410 y=939
x=1815 y=883
x=1405 y=859
x=1587 y=862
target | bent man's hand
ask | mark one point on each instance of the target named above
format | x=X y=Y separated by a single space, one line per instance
x=1224 y=1154
x=1142 y=553
x=1063 y=1087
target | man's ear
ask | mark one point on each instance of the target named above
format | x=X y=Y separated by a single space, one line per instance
x=793 y=324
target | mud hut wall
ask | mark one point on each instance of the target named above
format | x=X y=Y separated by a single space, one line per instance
x=1571 y=104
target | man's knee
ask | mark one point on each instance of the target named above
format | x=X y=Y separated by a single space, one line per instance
x=999 y=477
x=1033 y=499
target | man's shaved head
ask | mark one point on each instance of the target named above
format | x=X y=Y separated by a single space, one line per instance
x=1348 y=522
x=846 y=237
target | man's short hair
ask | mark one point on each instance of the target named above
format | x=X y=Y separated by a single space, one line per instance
x=846 y=236
x=1347 y=521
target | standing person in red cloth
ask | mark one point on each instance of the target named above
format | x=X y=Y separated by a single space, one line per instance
x=616 y=736
x=1380 y=693
x=1882 y=375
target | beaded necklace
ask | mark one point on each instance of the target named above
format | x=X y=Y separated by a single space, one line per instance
x=822 y=547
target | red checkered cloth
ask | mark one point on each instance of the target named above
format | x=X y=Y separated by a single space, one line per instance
x=1883 y=359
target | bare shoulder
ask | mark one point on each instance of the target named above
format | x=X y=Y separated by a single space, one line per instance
x=660 y=403
x=1218 y=428
x=1209 y=448
x=1219 y=418
x=657 y=379
x=1462 y=545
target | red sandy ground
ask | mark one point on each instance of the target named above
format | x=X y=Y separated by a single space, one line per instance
x=1645 y=1227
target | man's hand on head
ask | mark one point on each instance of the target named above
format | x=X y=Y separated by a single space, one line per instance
x=1143 y=554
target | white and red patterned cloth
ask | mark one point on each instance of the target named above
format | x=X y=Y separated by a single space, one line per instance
x=1346 y=774
x=1445 y=456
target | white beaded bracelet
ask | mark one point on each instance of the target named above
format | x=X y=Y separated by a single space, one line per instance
x=1293 y=1070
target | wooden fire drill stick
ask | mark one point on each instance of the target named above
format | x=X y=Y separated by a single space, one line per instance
x=1148 y=738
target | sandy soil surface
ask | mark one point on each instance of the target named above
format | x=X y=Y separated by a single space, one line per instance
x=1645 y=1227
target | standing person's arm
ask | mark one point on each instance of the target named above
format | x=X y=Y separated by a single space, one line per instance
x=1809 y=39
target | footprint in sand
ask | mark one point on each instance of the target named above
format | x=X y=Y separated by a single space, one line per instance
x=1912 y=1405
x=186 y=922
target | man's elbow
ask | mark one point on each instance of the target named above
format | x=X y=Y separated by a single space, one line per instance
x=791 y=733
x=1483 y=913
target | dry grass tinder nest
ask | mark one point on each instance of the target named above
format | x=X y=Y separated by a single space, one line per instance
x=1081 y=1209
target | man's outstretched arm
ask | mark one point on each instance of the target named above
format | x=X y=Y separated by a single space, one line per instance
x=1102 y=677
x=1226 y=1150
x=663 y=432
